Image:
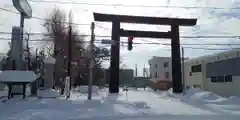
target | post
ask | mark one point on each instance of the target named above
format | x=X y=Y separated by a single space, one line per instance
x=35 y=84
x=69 y=57
x=176 y=60
x=114 y=63
x=136 y=70
x=183 y=78
x=21 y=38
x=91 y=62
x=28 y=50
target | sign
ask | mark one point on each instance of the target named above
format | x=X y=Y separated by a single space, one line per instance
x=67 y=85
x=103 y=41
x=23 y=7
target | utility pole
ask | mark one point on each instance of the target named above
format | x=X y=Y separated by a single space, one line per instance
x=28 y=51
x=69 y=57
x=183 y=69
x=91 y=62
x=136 y=71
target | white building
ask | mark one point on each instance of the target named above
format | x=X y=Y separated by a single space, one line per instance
x=160 y=68
x=160 y=71
x=218 y=73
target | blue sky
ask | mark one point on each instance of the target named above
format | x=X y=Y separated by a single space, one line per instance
x=210 y=22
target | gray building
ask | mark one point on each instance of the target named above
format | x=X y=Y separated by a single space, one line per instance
x=125 y=77
x=141 y=82
x=218 y=73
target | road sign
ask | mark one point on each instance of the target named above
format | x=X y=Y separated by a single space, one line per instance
x=105 y=41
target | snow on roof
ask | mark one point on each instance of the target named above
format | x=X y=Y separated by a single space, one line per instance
x=207 y=57
x=17 y=76
x=49 y=59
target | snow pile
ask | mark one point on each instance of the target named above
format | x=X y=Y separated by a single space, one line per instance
x=198 y=95
x=48 y=93
x=137 y=105
x=84 y=89
x=234 y=99
x=202 y=96
x=229 y=100
x=3 y=93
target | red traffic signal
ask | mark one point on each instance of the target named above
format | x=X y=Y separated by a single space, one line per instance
x=130 y=42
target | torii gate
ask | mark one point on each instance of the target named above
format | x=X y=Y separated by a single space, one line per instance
x=117 y=32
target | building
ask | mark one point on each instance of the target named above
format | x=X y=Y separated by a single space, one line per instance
x=218 y=73
x=141 y=82
x=125 y=77
x=160 y=72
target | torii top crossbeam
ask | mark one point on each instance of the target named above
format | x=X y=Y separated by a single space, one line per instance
x=144 y=20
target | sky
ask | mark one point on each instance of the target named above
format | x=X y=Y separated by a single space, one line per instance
x=210 y=21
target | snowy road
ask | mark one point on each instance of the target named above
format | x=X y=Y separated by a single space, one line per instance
x=136 y=105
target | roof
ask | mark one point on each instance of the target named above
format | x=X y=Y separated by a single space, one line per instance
x=17 y=76
x=205 y=57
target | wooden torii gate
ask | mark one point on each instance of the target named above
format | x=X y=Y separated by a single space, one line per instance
x=117 y=32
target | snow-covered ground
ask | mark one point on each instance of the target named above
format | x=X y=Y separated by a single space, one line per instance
x=133 y=105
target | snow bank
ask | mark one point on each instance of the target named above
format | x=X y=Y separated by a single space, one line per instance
x=17 y=76
x=198 y=95
x=48 y=93
x=84 y=89
x=3 y=94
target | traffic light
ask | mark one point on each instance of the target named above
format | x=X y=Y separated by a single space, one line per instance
x=130 y=42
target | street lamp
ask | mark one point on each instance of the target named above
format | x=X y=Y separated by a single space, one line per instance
x=23 y=7
x=25 y=11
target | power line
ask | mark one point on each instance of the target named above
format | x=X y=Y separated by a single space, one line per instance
x=98 y=41
x=47 y=34
x=40 y=18
x=209 y=48
x=124 y=5
x=188 y=37
x=144 y=43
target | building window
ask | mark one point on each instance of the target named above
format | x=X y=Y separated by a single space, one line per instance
x=217 y=79
x=220 y=79
x=156 y=74
x=228 y=78
x=167 y=74
x=165 y=64
x=196 y=68
x=213 y=79
x=156 y=65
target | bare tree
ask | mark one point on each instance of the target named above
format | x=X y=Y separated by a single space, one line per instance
x=57 y=28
